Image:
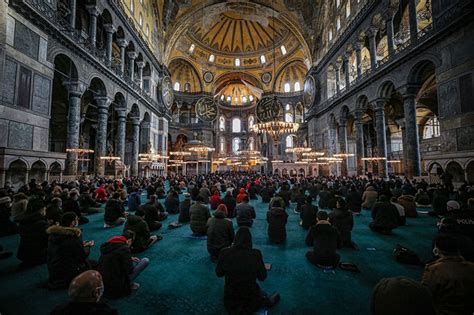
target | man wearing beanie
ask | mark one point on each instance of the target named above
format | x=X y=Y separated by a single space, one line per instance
x=220 y=232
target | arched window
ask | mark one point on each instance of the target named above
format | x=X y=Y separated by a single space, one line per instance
x=222 y=144
x=251 y=122
x=289 y=141
x=229 y=99
x=140 y=20
x=287 y=87
x=244 y=99
x=147 y=31
x=236 y=125
x=221 y=123
x=287 y=107
x=237 y=62
x=235 y=145
x=330 y=35
x=251 y=144
x=187 y=87
x=431 y=129
x=348 y=8
x=251 y=98
x=132 y=5
x=297 y=87
x=212 y=58
x=288 y=117
x=338 y=23
x=176 y=86
x=191 y=48
x=263 y=59
x=283 y=50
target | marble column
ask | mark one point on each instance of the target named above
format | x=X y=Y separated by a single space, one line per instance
x=346 y=72
x=93 y=14
x=389 y=27
x=358 y=50
x=342 y=136
x=122 y=44
x=412 y=137
x=131 y=64
x=72 y=15
x=373 y=48
x=413 y=20
x=141 y=65
x=359 y=135
x=103 y=103
x=135 y=144
x=121 y=125
x=401 y=123
x=109 y=35
x=75 y=89
x=381 y=135
x=338 y=77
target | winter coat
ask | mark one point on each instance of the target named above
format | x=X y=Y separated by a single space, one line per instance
x=369 y=197
x=7 y=227
x=71 y=205
x=172 y=204
x=81 y=308
x=134 y=201
x=354 y=201
x=308 y=216
x=115 y=266
x=66 y=255
x=325 y=240
x=245 y=214
x=267 y=194
x=142 y=233
x=241 y=195
x=241 y=265
x=277 y=218
x=220 y=232
x=184 y=211
x=199 y=215
x=215 y=201
x=230 y=203
x=450 y=280
x=33 y=238
x=113 y=210
x=343 y=221
x=384 y=215
x=54 y=213
x=408 y=203
x=324 y=197
x=19 y=205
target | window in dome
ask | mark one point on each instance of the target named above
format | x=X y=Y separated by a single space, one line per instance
x=221 y=123
x=191 y=48
x=287 y=87
x=236 y=125
x=235 y=145
x=187 y=87
x=251 y=122
x=338 y=3
x=222 y=144
x=140 y=20
x=289 y=141
x=348 y=8
x=263 y=59
x=222 y=97
x=176 y=86
x=147 y=31
x=288 y=117
x=297 y=87
x=212 y=58
x=431 y=129
x=287 y=107
x=338 y=23
x=244 y=99
x=330 y=35
x=132 y=5
x=229 y=99
x=237 y=62
x=283 y=50
x=251 y=98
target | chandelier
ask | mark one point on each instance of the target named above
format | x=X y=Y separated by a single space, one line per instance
x=79 y=151
x=180 y=153
x=331 y=159
x=197 y=146
x=312 y=154
x=373 y=158
x=343 y=155
x=109 y=158
x=298 y=150
x=276 y=129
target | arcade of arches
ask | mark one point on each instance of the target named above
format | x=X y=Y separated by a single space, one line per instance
x=365 y=79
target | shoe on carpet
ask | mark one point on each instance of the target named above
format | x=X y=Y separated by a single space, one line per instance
x=135 y=286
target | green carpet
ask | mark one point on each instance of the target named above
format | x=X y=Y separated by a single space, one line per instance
x=181 y=277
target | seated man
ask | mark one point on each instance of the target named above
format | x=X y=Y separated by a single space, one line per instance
x=172 y=202
x=220 y=232
x=308 y=213
x=342 y=219
x=409 y=205
x=449 y=227
x=245 y=212
x=277 y=218
x=152 y=214
x=33 y=237
x=67 y=253
x=85 y=292
x=117 y=266
x=401 y=211
x=114 y=212
x=134 y=200
x=325 y=240
x=199 y=214
x=71 y=204
x=450 y=279
x=184 y=209
x=385 y=216
x=54 y=211
x=143 y=239
x=87 y=203
x=464 y=217
x=242 y=266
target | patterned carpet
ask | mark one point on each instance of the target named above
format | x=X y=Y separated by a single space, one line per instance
x=181 y=277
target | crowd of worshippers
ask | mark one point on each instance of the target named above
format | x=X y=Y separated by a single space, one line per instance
x=47 y=218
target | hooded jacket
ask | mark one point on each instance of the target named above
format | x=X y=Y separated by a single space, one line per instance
x=142 y=233
x=230 y=203
x=199 y=214
x=33 y=238
x=172 y=204
x=66 y=255
x=241 y=265
x=277 y=218
x=241 y=195
x=184 y=210
x=343 y=221
x=409 y=204
x=115 y=266
x=220 y=232
x=215 y=200
x=308 y=215
x=369 y=197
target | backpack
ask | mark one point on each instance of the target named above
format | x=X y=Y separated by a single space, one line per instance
x=404 y=255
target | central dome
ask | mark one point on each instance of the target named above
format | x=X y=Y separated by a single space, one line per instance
x=237 y=33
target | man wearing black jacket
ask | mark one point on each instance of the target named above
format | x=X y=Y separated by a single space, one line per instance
x=67 y=253
x=114 y=212
x=325 y=240
x=308 y=213
x=267 y=193
x=385 y=216
x=117 y=266
x=230 y=203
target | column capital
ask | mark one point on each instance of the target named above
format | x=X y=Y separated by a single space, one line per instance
x=122 y=42
x=93 y=10
x=408 y=91
x=358 y=46
x=141 y=64
x=103 y=102
x=358 y=114
x=76 y=88
x=388 y=14
x=401 y=122
x=109 y=28
x=371 y=32
x=135 y=121
x=379 y=104
x=132 y=55
x=121 y=113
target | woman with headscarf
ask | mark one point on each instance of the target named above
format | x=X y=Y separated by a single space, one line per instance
x=220 y=232
x=215 y=200
x=241 y=265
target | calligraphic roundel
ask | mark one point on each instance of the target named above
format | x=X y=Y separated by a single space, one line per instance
x=268 y=109
x=206 y=109
x=309 y=93
x=167 y=95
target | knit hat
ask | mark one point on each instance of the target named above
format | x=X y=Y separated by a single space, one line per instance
x=453 y=204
